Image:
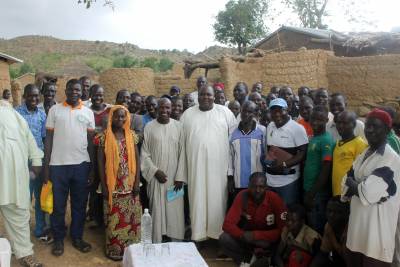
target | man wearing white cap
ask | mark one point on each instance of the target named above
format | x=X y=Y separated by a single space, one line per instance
x=287 y=145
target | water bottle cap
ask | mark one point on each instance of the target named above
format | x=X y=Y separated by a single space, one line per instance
x=146 y=210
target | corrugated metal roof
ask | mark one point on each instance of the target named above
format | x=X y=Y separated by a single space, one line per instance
x=10 y=59
x=316 y=33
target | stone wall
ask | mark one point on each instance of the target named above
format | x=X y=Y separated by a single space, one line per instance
x=287 y=68
x=366 y=81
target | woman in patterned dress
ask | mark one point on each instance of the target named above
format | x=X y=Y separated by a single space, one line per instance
x=118 y=163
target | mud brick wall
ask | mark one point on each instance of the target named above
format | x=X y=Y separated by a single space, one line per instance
x=366 y=81
x=135 y=79
x=4 y=76
x=164 y=81
x=287 y=68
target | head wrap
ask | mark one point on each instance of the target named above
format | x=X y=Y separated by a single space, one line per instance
x=381 y=115
x=220 y=85
x=111 y=151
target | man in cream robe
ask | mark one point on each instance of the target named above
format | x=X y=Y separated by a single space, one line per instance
x=204 y=163
x=17 y=146
x=159 y=163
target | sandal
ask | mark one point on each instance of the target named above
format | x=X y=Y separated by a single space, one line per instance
x=29 y=261
x=81 y=245
x=58 y=248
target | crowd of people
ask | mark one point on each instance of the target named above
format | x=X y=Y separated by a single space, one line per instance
x=280 y=179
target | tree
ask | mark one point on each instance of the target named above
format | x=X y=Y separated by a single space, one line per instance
x=20 y=70
x=315 y=13
x=310 y=12
x=165 y=64
x=125 y=62
x=150 y=62
x=89 y=3
x=241 y=23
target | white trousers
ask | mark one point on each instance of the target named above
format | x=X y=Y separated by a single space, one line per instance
x=16 y=222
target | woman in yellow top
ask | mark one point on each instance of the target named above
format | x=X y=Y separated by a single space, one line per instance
x=346 y=150
x=118 y=162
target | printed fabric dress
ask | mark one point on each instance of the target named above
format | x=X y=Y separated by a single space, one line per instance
x=122 y=219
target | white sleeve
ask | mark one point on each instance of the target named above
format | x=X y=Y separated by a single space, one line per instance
x=300 y=135
x=147 y=166
x=91 y=123
x=51 y=120
x=231 y=158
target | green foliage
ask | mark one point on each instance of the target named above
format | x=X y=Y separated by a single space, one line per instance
x=165 y=64
x=99 y=64
x=150 y=62
x=310 y=12
x=18 y=70
x=125 y=62
x=241 y=23
x=158 y=65
x=47 y=61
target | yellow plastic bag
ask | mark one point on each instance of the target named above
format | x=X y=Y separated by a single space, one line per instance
x=46 y=198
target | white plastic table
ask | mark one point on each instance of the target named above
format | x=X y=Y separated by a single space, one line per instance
x=181 y=254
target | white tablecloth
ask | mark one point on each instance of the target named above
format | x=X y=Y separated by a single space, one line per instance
x=181 y=254
x=5 y=253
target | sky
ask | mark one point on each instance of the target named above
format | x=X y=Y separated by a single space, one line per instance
x=161 y=24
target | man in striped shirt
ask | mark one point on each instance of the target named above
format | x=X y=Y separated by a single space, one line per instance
x=247 y=144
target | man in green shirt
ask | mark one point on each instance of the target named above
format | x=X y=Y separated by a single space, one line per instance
x=317 y=169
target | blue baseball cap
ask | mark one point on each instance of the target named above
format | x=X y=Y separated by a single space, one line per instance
x=278 y=102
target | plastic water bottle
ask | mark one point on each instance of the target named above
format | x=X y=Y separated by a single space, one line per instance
x=146 y=227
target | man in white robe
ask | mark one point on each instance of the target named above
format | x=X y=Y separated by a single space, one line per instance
x=17 y=146
x=159 y=163
x=204 y=163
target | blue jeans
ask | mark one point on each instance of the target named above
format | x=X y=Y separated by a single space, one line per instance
x=289 y=193
x=73 y=180
x=35 y=188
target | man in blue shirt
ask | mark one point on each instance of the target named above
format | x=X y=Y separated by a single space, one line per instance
x=246 y=144
x=36 y=119
x=151 y=106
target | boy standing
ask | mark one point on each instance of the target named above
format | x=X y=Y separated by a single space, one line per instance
x=346 y=150
x=317 y=169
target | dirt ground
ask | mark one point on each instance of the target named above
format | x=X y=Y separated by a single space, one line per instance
x=96 y=258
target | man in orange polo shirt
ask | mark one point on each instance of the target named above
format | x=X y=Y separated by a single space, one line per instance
x=68 y=153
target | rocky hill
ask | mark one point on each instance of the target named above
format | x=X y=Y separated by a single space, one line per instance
x=46 y=53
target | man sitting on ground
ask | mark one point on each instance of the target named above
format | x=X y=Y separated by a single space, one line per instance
x=254 y=221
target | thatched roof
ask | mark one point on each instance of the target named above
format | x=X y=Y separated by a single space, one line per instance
x=373 y=42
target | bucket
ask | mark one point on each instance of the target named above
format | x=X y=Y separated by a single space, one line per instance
x=5 y=253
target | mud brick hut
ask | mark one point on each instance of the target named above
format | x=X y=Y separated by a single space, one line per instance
x=288 y=38
x=5 y=62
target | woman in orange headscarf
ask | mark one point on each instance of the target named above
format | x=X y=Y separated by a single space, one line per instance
x=118 y=161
